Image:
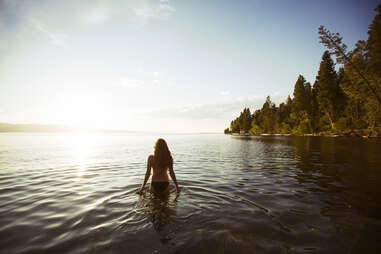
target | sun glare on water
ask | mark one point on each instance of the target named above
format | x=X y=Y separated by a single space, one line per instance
x=82 y=144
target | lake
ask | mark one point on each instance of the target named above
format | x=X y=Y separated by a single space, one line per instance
x=76 y=193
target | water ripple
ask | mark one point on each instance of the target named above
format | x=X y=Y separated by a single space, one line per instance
x=262 y=195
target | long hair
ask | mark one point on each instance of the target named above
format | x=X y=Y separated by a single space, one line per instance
x=162 y=155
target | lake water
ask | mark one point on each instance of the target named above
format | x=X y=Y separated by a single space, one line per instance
x=75 y=193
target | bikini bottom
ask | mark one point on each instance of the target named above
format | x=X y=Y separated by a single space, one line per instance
x=160 y=186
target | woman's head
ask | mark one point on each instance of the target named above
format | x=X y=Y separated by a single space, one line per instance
x=161 y=153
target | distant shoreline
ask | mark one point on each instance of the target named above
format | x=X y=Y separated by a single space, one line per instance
x=51 y=128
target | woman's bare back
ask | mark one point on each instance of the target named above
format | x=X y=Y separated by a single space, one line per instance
x=158 y=174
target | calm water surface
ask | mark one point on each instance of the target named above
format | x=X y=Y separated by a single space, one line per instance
x=75 y=193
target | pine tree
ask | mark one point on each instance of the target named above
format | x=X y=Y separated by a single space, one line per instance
x=327 y=87
x=349 y=99
x=301 y=110
x=268 y=116
x=299 y=95
x=308 y=98
x=373 y=46
x=333 y=41
x=363 y=108
x=315 y=110
x=373 y=54
x=247 y=120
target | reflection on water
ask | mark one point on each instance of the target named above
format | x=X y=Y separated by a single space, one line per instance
x=77 y=194
x=159 y=207
x=82 y=144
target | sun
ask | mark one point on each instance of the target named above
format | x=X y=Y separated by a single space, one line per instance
x=83 y=112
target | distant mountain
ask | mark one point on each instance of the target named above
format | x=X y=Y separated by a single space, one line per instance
x=8 y=127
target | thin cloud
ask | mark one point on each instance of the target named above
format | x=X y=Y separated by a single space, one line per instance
x=150 y=11
x=144 y=12
x=166 y=9
x=217 y=111
x=38 y=25
x=208 y=111
x=97 y=16
x=53 y=22
x=58 y=39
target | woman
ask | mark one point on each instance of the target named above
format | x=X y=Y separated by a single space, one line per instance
x=160 y=162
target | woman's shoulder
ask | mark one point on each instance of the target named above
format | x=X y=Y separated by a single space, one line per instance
x=150 y=158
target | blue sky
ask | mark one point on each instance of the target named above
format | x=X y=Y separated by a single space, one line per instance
x=168 y=66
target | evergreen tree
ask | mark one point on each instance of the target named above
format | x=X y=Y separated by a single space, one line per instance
x=327 y=87
x=301 y=107
x=241 y=123
x=268 y=116
x=246 y=119
x=362 y=108
x=299 y=95
x=288 y=109
x=333 y=41
x=373 y=46
x=349 y=99
x=315 y=110
x=308 y=99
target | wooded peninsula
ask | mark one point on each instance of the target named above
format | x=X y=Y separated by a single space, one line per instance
x=343 y=102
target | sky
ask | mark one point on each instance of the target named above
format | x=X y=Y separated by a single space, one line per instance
x=163 y=65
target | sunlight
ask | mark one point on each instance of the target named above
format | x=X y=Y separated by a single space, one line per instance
x=82 y=144
x=83 y=112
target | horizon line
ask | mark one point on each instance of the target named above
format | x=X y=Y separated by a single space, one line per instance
x=62 y=128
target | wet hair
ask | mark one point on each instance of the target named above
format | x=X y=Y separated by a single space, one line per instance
x=162 y=155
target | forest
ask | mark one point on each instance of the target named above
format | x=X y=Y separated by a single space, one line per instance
x=344 y=99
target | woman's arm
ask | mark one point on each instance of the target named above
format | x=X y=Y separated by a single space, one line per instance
x=173 y=176
x=148 y=174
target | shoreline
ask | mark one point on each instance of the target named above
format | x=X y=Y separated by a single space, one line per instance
x=349 y=135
